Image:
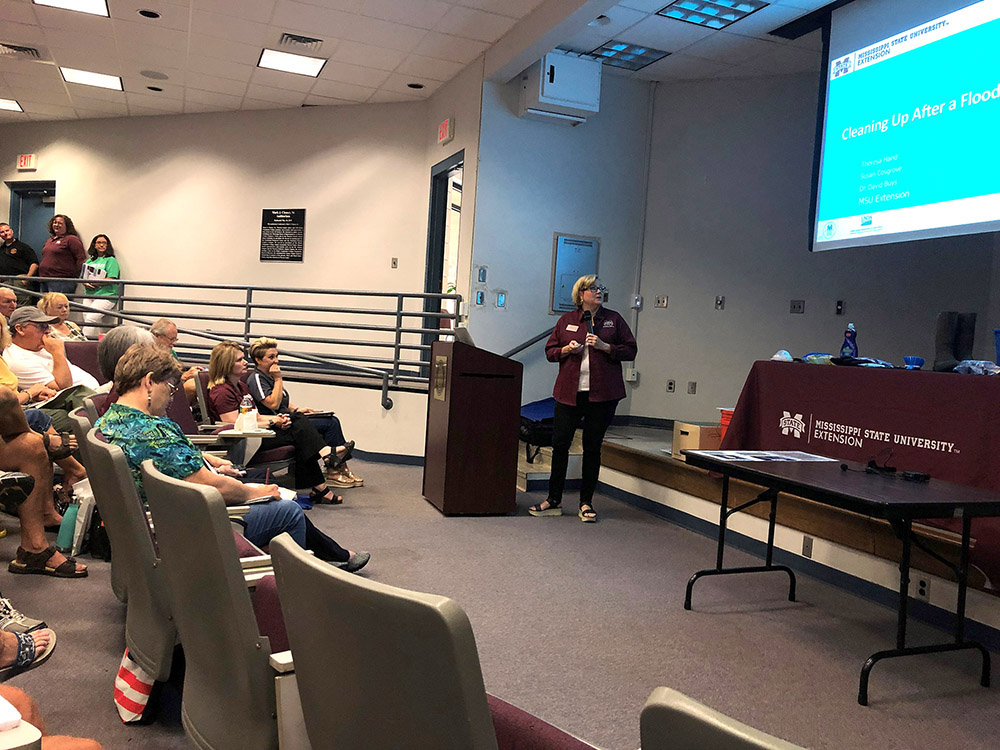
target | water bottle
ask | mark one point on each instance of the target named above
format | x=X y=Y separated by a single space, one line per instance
x=64 y=542
x=850 y=347
x=246 y=405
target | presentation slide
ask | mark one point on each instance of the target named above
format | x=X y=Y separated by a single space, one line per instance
x=910 y=132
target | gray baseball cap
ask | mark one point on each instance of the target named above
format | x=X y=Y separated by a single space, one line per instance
x=24 y=315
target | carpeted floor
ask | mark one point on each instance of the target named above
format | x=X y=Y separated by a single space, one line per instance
x=577 y=623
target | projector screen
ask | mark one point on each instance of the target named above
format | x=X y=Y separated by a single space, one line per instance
x=911 y=123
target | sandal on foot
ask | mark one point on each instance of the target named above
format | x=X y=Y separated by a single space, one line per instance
x=587 y=514
x=28 y=656
x=538 y=511
x=325 y=497
x=60 y=451
x=27 y=563
x=335 y=460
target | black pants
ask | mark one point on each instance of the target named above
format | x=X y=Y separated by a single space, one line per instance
x=596 y=416
x=307 y=443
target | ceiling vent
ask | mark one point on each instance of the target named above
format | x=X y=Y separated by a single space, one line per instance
x=299 y=43
x=19 y=52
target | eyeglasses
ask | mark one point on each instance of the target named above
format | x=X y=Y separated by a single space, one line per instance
x=596 y=288
x=173 y=388
x=43 y=327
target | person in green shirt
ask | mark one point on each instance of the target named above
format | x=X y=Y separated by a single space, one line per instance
x=101 y=297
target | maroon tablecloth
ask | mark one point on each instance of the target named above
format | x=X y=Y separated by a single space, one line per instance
x=944 y=424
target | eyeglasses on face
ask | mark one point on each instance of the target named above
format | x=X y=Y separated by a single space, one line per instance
x=173 y=388
x=596 y=288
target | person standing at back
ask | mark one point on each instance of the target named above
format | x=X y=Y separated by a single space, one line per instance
x=17 y=259
x=101 y=264
x=62 y=256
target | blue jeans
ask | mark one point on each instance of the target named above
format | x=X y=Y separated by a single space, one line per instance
x=266 y=520
x=329 y=428
x=63 y=287
x=38 y=420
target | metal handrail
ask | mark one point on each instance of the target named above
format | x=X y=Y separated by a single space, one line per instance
x=534 y=339
x=400 y=368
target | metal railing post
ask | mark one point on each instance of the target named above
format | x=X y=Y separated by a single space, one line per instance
x=386 y=401
x=246 y=318
x=399 y=340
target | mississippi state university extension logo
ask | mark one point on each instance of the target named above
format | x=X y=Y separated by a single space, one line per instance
x=841 y=66
x=829 y=230
x=792 y=424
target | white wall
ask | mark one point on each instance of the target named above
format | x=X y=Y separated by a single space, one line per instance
x=539 y=178
x=728 y=214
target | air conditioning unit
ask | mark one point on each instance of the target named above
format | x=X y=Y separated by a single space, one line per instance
x=561 y=88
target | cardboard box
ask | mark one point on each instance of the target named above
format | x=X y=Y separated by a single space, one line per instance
x=695 y=436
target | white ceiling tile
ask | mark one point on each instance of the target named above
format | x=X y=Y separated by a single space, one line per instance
x=97 y=61
x=252 y=10
x=171 y=16
x=149 y=57
x=512 y=8
x=387 y=97
x=214 y=83
x=348 y=6
x=22 y=34
x=10 y=64
x=681 y=67
x=474 y=24
x=382 y=33
x=35 y=108
x=356 y=74
x=591 y=37
x=429 y=67
x=222 y=68
x=229 y=27
x=100 y=105
x=82 y=94
x=397 y=83
x=368 y=55
x=44 y=81
x=729 y=48
x=325 y=101
x=137 y=86
x=133 y=69
x=7 y=116
x=281 y=80
x=667 y=34
x=153 y=102
x=137 y=111
x=271 y=94
x=261 y=104
x=81 y=24
x=345 y=91
x=135 y=34
x=449 y=47
x=647 y=6
x=211 y=97
x=192 y=108
x=786 y=60
x=420 y=13
x=57 y=39
x=224 y=49
x=762 y=22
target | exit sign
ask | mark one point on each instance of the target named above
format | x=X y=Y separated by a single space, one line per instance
x=27 y=162
x=446 y=131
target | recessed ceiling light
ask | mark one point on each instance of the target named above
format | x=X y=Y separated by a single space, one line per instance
x=154 y=88
x=414 y=85
x=601 y=20
x=87 y=78
x=148 y=13
x=713 y=14
x=625 y=55
x=289 y=63
x=94 y=7
x=154 y=74
x=10 y=105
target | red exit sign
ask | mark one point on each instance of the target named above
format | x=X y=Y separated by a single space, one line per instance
x=446 y=131
x=27 y=161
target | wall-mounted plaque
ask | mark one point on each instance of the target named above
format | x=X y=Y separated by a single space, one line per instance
x=282 y=234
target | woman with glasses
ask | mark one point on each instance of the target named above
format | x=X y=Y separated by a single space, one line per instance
x=589 y=343
x=62 y=256
x=101 y=265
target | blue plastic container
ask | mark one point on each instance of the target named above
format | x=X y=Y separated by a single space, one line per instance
x=64 y=542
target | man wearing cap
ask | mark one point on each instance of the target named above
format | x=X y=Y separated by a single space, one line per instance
x=17 y=259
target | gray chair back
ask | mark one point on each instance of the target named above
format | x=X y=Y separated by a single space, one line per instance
x=150 y=633
x=402 y=665
x=228 y=683
x=672 y=721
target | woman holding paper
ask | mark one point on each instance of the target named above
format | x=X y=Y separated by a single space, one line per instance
x=226 y=392
x=101 y=264
x=589 y=343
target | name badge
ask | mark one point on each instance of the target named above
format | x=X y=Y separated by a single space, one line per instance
x=572 y=329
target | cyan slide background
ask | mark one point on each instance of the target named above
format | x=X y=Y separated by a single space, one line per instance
x=946 y=157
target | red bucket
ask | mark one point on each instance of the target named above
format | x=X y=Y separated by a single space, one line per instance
x=725 y=417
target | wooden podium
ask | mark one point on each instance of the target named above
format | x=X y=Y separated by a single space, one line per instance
x=473 y=414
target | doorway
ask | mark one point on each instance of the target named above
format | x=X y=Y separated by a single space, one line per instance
x=441 y=274
x=32 y=204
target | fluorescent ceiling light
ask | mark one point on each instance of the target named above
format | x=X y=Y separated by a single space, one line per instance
x=629 y=56
x=94 y=7
x=85 y=77
x=10 y=105
x=289 y=63
x=713 y=14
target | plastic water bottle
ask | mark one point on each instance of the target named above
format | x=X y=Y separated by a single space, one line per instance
x=64 y=542
x=246 y=405
x=850 y=347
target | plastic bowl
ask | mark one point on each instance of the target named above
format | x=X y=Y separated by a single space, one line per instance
x=913 y=363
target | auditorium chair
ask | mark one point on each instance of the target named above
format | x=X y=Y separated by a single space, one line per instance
x=83 y=354
x=229 y=686
x=401 y=666
x=672 y=721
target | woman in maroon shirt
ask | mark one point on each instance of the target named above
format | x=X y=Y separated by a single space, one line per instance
x=62 y=256
x=589 y=343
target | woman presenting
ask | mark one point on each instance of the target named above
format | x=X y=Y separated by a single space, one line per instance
x=589 y=343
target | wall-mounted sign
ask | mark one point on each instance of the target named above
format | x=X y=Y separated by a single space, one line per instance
x=282 y=234
x=573 y=256
x=446 y=131
x=27 y=162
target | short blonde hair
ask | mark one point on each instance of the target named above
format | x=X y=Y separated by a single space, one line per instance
x=581 y=284
x=4 y=333
x=258 y=347
x=225 y=354
x=140 y=359
x=49 y=299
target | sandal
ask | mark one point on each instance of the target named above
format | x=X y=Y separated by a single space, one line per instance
x=587 y=513
x=27 y=563
x=61 y=451
x=28 y=655
x=333 y=461
x=552 y=510
x=358 y=481
x=325 y=497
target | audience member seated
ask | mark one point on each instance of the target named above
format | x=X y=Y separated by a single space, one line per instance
x=146 y=378
x=56 y=305
x=165 y=334
x=30 y=713
x=226 y=392
x=22 y=450
x=266 y=385
x=115 y=343
x=8 y=301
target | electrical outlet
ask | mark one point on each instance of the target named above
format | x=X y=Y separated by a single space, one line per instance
x=807 y=546
x=660 y=301
x=797 y=306
x=631 y=375
x=671 y=386
x=692 y=387
x=395 y=262
x=923 y=592
x=720 y=303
